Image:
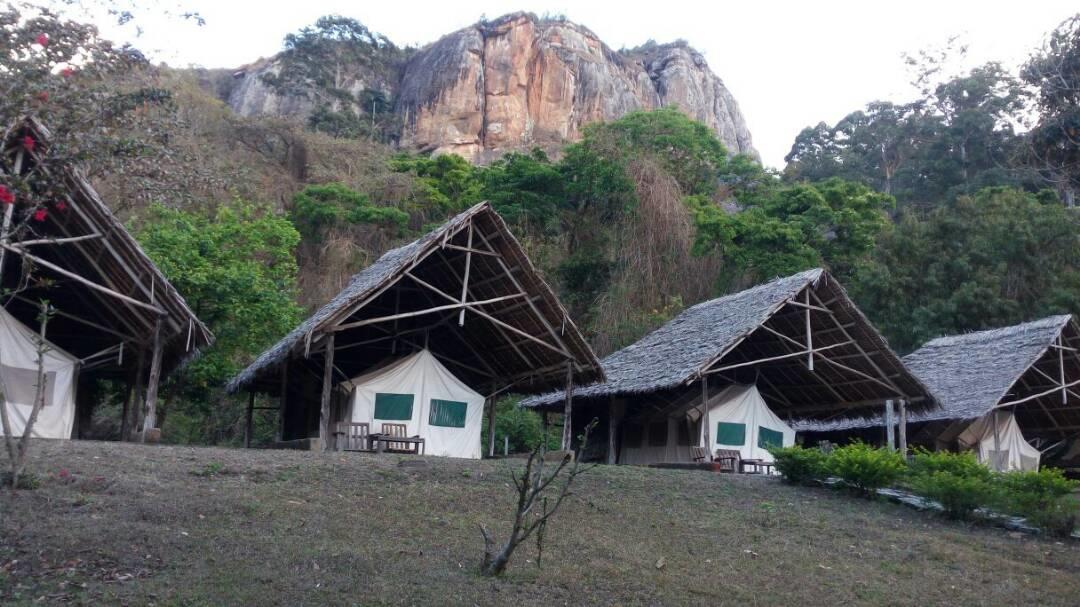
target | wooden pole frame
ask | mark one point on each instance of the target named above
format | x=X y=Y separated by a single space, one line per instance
x=705 y=435
x=890 y=426
x=327 y=387
x=568 y=409
x=903 y=428
x=248 y=420
x=150 y=408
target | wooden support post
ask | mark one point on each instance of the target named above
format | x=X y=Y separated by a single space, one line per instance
x=283 y=399
x=125 y=411
x=327 y=387
x=809 y=338
x=491 y=426
x=465 y=280
x=568 y=409
x=890 y=426
x=150 y=408
x=705 y=415
x=247 y=422
x=995 y=459
x=903 y=427
x=1061 y=369
x=612 y=431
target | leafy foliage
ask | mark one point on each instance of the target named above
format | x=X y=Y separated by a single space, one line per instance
x=996 y=258
x=318 y=207
x=955 y=480
x=1043 y=498
x=800 y=465
x=865 y=468
x=521 y=426
x=237 y=270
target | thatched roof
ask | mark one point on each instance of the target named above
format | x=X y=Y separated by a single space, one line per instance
x=108 y=255
x=729 y=331
x=972 y=373
x=438 y=258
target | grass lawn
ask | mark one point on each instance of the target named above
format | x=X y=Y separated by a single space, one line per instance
x=131 y=524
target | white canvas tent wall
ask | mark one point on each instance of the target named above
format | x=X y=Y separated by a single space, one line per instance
x=740 y=412
x=18 y=376
x=421 y=393
x=1015 y=452
x=737 y=410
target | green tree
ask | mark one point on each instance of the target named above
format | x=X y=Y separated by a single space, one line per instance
x=319 y=207
x=236 y=267
x=1054 y=143
x=993 y=259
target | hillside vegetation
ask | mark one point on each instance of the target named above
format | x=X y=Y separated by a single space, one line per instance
x=938 y=214
x=130 y=524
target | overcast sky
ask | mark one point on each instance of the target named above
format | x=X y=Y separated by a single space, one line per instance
x=789 y=64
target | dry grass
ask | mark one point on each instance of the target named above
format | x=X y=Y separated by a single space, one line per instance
x=130 y=524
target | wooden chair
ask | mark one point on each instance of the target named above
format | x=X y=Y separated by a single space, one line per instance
x=699 y=454
x=397 y=430
x=729 y=460
x=352 y=436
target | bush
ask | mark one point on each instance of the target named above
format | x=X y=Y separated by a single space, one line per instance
x=866 y=468
x=955 y=480
x=959 y=495
x=799 y=465
x=1043 y=498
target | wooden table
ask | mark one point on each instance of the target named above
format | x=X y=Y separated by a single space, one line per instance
x=380 y=441
x=760 y=466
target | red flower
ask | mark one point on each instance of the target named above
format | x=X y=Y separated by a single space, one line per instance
x=43 y=39
x=6 y=195
x=40 y=215
x=67 y=72
x=43 y=96
x=28 y=143
x=61 y=206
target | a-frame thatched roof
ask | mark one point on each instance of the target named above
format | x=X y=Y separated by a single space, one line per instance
x=759 y=335
x=1022 y=367
x=515 y=331
x=104 y=288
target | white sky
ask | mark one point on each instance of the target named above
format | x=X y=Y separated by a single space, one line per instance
x=790 y=64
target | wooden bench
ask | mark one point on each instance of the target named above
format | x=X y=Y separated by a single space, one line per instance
x=699 y=454
x=399 y=430
x=352 y=436
x=729 y=460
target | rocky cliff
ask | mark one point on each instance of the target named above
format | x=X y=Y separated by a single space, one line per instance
x=520 y=81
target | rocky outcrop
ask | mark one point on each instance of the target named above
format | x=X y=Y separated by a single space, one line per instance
x=521 y=81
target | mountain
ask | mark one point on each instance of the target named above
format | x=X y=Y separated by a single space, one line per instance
x=513 y=83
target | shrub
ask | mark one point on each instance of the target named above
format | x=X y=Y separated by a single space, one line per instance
x=866 y=468
x=1042 y=498
x=926 y=463
x=959 y=495
x=799 y=465
x=955 y=480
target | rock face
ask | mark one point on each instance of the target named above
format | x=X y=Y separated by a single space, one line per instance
x=521 y=81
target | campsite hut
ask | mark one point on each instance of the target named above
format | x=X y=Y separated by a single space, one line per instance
x=1009 y=393
x=115 y=315
x=793 y=348
x=420 y=338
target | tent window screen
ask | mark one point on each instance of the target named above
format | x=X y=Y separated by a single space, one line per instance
x=20 y=385
x=769 y=438
x=728 y=433
x=393 y=406
x=684 y=433
x=447 y=413
x=658 y=434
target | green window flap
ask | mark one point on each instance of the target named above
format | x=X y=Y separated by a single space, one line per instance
x=447 y=413
x=393 y=406
x=731 y=434
x=769 y=438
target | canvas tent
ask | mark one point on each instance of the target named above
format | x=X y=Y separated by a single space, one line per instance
x=1029 y=373
x=1003 y=448
x=738 y=419
x=465 y=292
x=421 y=393
x=800 y=340
x=19 y=378
x=112 y=308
